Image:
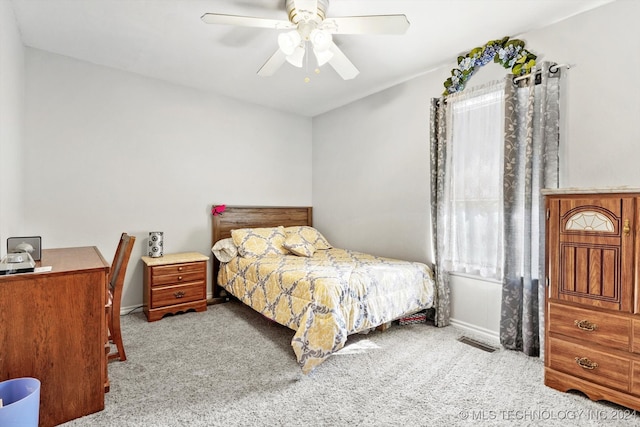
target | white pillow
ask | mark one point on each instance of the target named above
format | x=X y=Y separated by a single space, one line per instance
x=225 y=250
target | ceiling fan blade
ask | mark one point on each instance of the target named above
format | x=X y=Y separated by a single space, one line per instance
x=375 y=24
x=272 y=64
x=341 y=63
x=246 y=21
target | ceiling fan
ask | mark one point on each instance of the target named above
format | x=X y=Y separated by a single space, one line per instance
x=310 y=28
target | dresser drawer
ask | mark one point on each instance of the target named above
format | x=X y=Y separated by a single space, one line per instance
x=635 y=342
x=176 y=294
x=594 y=327
x=593 y=365
x=635 y=378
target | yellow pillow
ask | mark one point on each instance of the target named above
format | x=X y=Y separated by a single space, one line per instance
x=299 y=246
x=310 y=235
x=259 y=242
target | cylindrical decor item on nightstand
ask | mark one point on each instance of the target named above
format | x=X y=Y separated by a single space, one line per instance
x=156 y=245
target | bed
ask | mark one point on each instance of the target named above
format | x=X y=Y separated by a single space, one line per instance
x=274 y=261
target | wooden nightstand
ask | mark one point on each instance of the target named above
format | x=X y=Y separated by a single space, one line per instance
x=174 y=283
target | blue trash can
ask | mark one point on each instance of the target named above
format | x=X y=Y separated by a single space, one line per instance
x=20 y=402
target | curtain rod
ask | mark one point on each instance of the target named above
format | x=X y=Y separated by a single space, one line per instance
x=552 y=69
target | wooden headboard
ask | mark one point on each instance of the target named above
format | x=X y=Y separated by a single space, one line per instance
x=235 y=217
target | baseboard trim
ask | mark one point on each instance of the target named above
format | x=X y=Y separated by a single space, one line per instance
x=492 y=337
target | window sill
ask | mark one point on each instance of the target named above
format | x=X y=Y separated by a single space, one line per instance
x=476 y=277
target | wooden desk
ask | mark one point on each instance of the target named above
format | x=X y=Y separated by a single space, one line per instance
x=53 y=327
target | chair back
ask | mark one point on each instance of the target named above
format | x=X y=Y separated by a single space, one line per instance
x=116 y=283
x=119 y=265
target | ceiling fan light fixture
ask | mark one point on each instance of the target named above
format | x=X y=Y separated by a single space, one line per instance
x=320 y=39
x=296 y=57
x=288 y=42
x=322 y=56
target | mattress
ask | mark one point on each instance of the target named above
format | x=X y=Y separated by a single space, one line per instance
x=328 y=296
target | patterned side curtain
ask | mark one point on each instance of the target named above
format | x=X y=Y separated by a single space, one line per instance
x=438 y=155
x=530 y=163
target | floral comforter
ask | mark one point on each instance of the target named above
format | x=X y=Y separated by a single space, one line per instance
x=328 y=296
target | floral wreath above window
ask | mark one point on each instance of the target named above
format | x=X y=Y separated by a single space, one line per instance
x=510 y=53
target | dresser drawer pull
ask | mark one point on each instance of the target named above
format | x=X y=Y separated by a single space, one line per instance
x=178 y=294
x=585 y=363
x=180 y=268
x=585 y=325
x=179 y=277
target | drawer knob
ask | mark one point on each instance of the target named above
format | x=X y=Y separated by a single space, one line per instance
x=178 y=294
x=585 y=363
x=585 y=325
x=180 y=268
x=179 y=277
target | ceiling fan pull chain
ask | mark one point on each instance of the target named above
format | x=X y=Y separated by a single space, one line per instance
x=307 y=79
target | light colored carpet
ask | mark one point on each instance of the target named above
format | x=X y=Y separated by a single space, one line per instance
x=229 y=366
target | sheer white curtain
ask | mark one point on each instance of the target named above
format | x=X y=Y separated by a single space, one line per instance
x=472 y=200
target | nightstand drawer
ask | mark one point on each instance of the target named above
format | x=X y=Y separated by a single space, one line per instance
x=178 y=294
x=177 y=279
x=598 y=328
x=174 y=269
x=593 y=365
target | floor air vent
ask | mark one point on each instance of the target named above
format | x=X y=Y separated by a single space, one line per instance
x=477 y=344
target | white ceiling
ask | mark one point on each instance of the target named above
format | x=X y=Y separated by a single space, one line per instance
x=167 y=40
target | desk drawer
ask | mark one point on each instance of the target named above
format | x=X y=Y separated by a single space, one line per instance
x=177 y=294
x=593 y=327
x=593 y=365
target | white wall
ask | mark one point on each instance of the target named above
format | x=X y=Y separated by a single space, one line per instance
x=12 y=86
x=371 y=159
x=602 y=137
x=108 y=151
x=370 y=176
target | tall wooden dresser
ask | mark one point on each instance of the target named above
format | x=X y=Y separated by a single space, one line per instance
x=592 y=319
x=53 y=327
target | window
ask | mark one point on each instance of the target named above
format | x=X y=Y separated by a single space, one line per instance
x=473 y=183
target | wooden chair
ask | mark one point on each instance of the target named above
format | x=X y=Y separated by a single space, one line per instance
x=116 y=281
